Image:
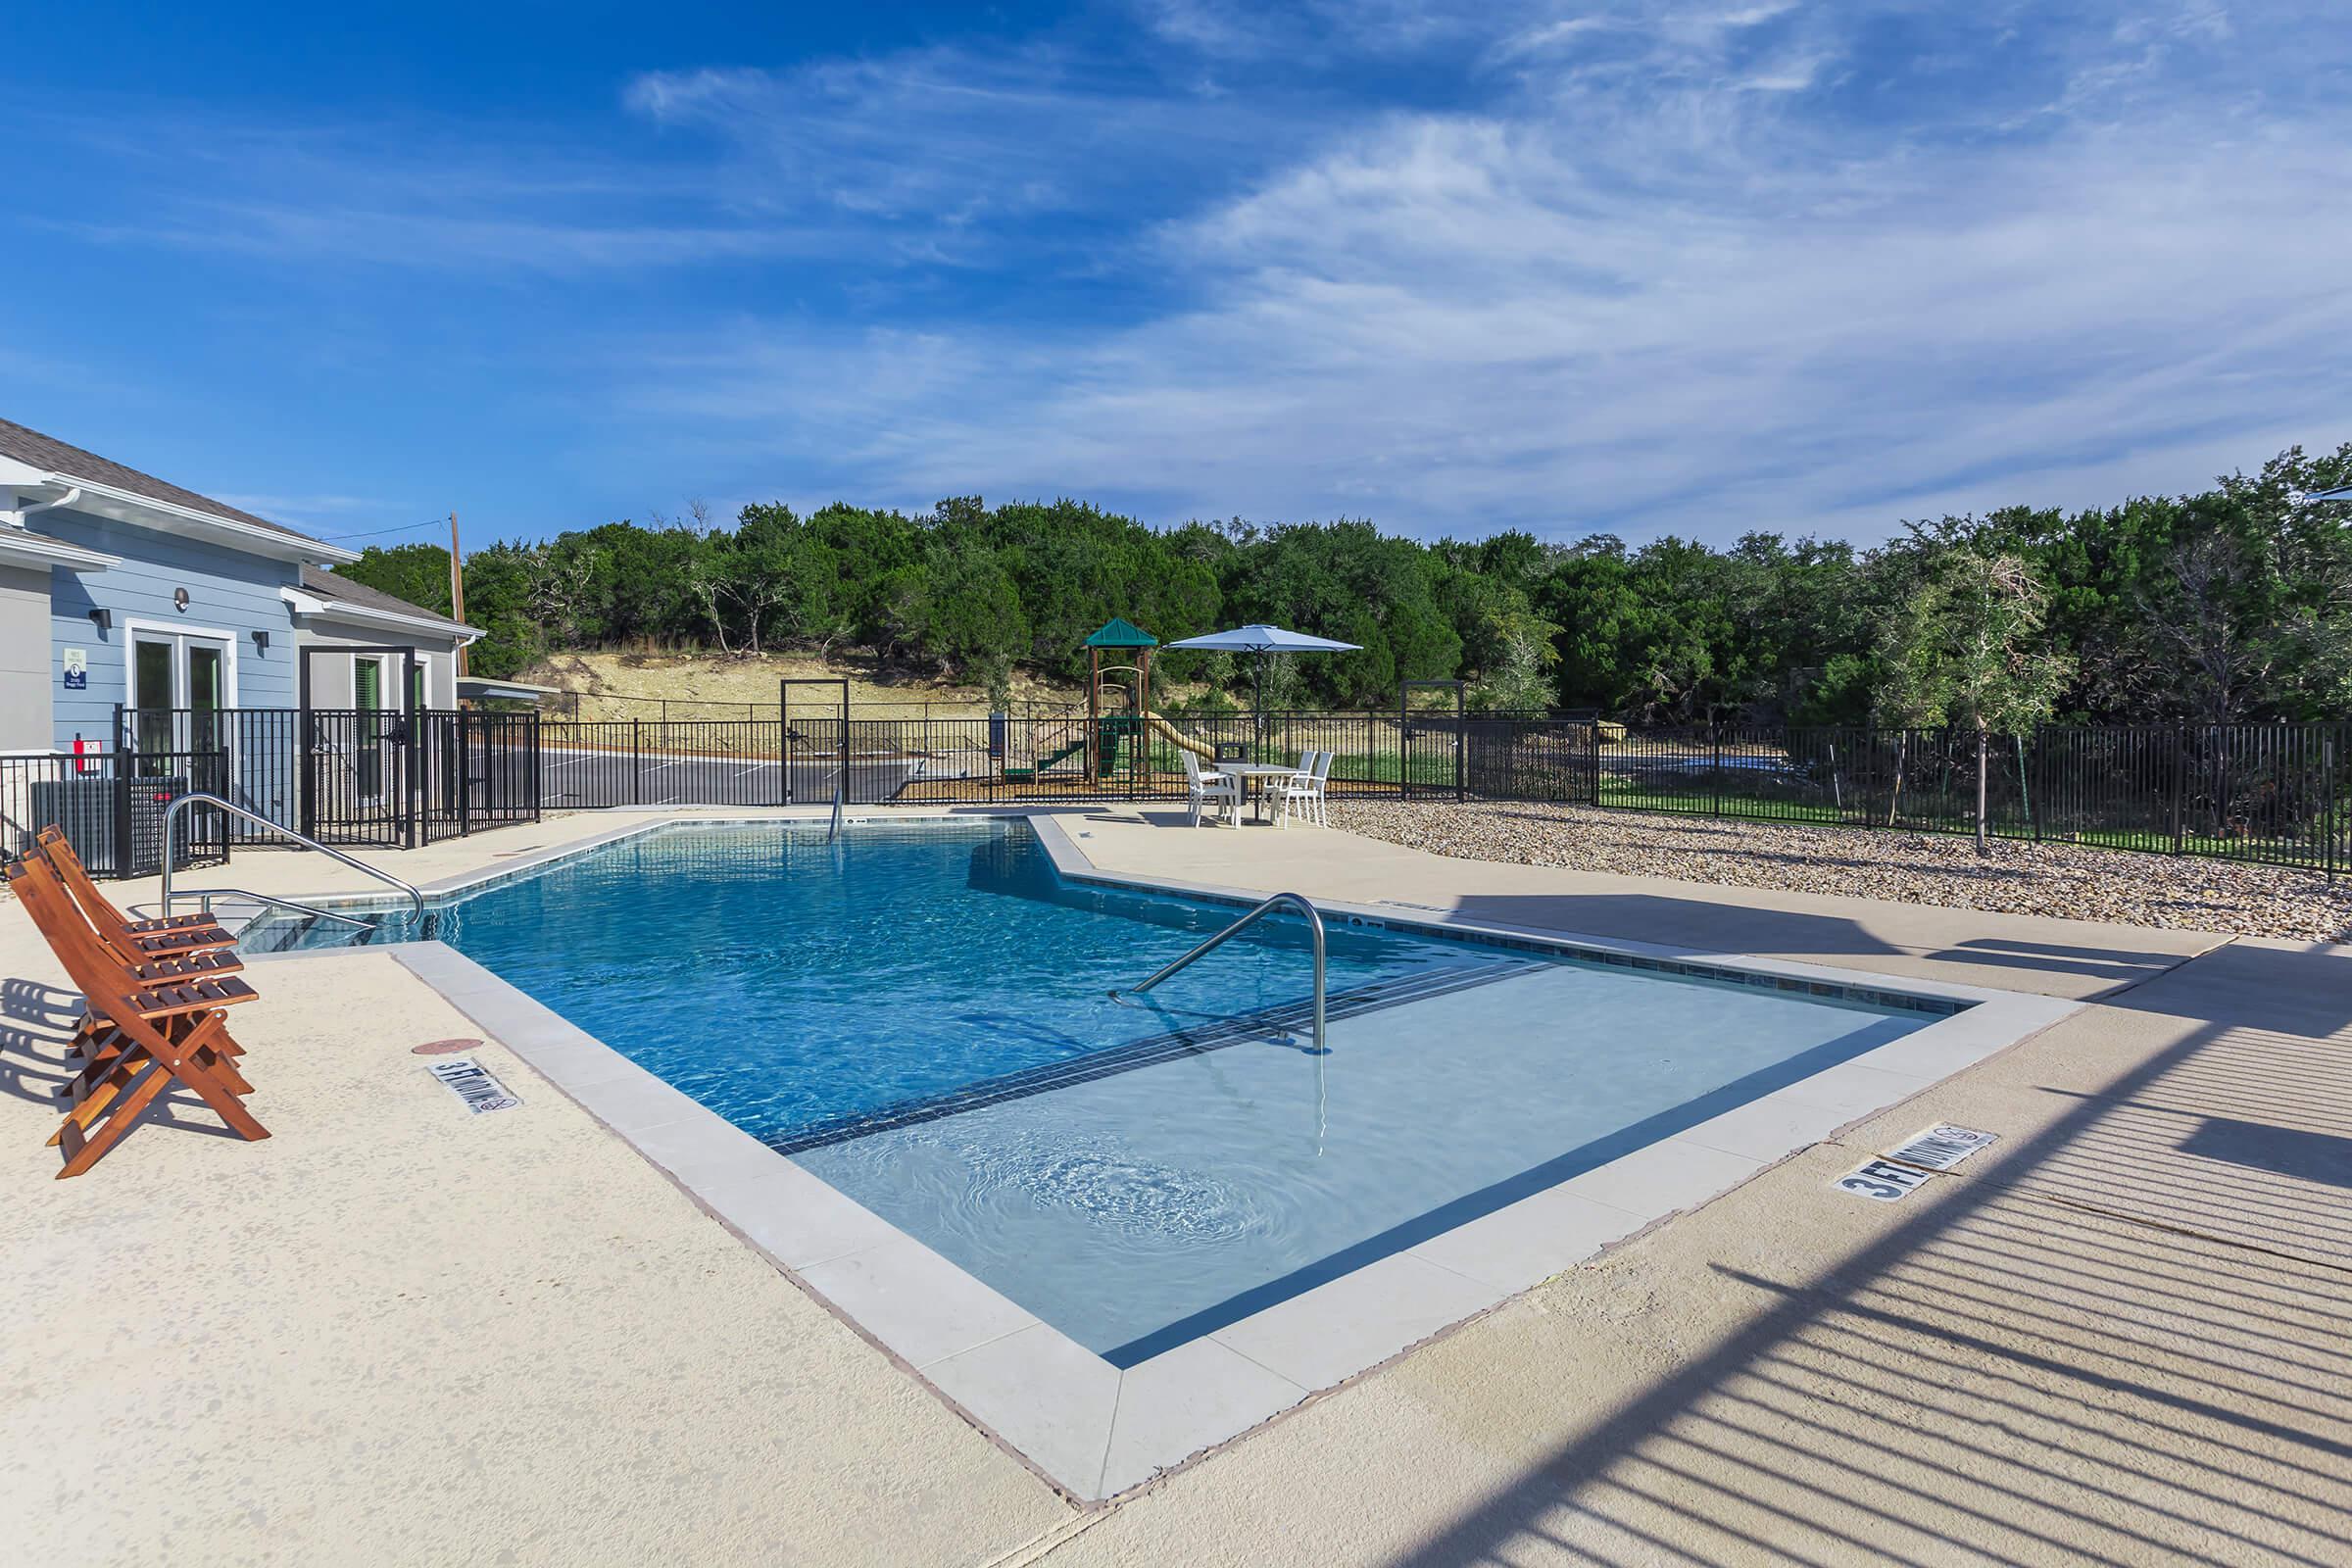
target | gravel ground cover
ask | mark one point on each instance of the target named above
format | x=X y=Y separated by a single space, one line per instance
x=2175 y=893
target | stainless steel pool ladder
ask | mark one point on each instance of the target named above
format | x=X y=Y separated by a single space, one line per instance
x=205 y=896
x=1314 y=929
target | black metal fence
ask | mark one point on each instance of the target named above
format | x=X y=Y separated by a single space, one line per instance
x=354 y=777
x=396 y=780
x=111 y=806
x=2278 y=793
x=351 y=776
x=1001 y=759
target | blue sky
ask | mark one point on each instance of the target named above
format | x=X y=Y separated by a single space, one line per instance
x=1642 y=266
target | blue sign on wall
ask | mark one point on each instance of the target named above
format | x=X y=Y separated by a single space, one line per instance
x=77 y=669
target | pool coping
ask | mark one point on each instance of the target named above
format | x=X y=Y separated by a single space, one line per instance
x=1095 y=1430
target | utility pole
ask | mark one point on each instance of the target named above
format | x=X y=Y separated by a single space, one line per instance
x=456 y=586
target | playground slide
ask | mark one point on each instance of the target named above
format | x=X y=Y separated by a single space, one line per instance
x=1116 y=729
x=1044 y=762
x=1176 y=737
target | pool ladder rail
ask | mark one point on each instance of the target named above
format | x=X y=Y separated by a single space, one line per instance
x=205 y=896
x=1314 y=929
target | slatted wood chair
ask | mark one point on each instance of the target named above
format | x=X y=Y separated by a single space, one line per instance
x=160 y=1032
x=131 y=940
x=152 y=951
x=166 y=981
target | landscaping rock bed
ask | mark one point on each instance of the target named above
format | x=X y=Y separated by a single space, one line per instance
x=2177 y=893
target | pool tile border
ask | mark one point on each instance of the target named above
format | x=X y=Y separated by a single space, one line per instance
x=1095 y=1430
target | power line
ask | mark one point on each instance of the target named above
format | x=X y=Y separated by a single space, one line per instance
x=378 y=533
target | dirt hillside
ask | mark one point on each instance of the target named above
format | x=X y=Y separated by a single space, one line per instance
x=632 y=685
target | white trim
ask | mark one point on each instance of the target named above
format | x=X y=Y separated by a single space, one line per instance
x=174 y=632
x=124 y=506
x=310 y=605
x=25 y=547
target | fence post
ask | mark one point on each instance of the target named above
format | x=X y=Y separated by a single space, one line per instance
x=1715 y=734
x=466 y=773
x=1404 y=743
x=1461 y=749
x=2179 y=781
x=122 y=762
x=2328 y=823
x=636 y=764
x=2025 y=786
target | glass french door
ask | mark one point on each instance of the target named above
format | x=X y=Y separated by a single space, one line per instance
x=174 y=672
x=368 y=695
x=384 y=716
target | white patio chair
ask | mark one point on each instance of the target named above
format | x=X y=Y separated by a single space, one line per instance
x=1303 y=791
x=1209 y=790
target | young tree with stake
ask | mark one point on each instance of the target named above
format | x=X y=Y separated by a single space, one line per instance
x=1965 y=648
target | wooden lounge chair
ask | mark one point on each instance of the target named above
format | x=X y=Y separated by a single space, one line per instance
x=151 y=950
x=177 y=982
x=157 y=1034
x=131 y=940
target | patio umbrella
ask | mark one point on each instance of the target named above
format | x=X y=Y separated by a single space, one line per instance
x=1264 y=642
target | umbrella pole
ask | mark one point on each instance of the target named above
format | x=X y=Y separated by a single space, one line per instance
x=1257 y=753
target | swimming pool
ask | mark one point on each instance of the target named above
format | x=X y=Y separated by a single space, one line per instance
x=919 y=1016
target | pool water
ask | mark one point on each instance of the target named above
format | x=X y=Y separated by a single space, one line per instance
x=919 y=1016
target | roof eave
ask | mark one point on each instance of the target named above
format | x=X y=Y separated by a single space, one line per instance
x=146 y=512
x=22 y=547
x=316 y=608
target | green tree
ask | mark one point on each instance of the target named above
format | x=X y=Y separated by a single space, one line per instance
x=1963 y=649
x=418 y=573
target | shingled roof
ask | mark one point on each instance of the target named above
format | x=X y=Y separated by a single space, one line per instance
x=322 y=585
x=52 y=456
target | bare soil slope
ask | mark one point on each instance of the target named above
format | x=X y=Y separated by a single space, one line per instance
x=634 y=685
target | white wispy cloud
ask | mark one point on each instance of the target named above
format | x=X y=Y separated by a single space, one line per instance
x=1647 y=264
x=1603 y=305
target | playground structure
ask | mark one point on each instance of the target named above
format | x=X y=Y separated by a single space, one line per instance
x=1106 y=738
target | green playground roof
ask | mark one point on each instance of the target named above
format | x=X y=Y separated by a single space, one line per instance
x=1119 y=633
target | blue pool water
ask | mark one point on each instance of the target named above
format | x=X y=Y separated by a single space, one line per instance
x=919 y=1015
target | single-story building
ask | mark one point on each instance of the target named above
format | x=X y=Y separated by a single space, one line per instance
x=120 y=588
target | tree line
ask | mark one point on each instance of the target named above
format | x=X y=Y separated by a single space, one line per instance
x=2227 y=604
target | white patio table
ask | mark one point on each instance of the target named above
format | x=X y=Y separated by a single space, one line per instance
x=1253 y=778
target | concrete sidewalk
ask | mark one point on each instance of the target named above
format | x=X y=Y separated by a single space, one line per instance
x=2073 y=959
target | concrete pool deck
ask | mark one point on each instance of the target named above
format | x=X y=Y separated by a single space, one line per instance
x=393 y=1333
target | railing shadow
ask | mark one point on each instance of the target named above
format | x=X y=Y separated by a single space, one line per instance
x=2040 y=1366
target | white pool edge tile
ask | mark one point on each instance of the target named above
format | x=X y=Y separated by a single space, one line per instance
x=1152 y=1422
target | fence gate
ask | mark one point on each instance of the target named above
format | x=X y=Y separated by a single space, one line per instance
x=1431 y=757
x=114 y=813
x=817 y=750
x=361 y=776
x=480 y=770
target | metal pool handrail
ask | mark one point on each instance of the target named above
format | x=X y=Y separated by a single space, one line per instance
x=202 y=798
x=1314 y=927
